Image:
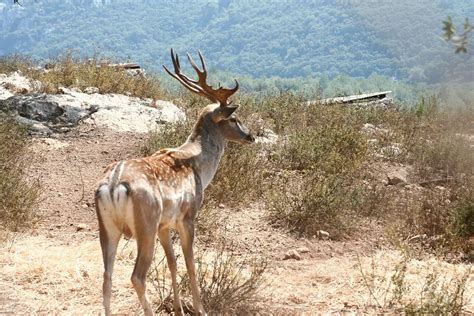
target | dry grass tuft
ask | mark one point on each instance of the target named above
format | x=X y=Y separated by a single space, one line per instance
x=19 y=195
x=228 y=283
x=12 y=63
x=413 y=287
x=75 y=72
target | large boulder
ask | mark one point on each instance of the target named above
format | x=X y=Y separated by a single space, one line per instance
x=115 y=111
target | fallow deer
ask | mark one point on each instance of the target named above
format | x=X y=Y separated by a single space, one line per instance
x=145 y=197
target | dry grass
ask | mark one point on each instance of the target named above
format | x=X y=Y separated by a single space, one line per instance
x=228 y=283
x=439 y=145
x=12 y=63
x=437 y=289
x=19 y=194
x=75 y=72
x=43 y=276
x=317 y=166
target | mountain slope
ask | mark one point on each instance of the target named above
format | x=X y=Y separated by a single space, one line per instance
x=276 y=38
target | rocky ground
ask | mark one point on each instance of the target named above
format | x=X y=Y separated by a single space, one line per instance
x=57 y=266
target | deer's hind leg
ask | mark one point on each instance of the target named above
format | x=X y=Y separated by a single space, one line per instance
x=146 y=214
x=109 y=236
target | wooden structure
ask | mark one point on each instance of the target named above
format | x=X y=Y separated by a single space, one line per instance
x=354 y=99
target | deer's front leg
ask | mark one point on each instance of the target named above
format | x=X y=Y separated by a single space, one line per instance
x=186 y=235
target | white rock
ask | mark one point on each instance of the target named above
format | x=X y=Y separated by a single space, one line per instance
x=368 y=128
x=16 y=82
x=322 y=234
x=82 y=226
x=114 y=111
x=392 y=150
x=398 y=176
x=5 y=93
x=267 y=137
x=292 y=254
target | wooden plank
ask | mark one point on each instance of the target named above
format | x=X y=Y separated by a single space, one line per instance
x=357 y=98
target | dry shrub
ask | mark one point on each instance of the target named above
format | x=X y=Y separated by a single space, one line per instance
x=169 y=135
x=71 y=71
x=440 y=148
x=241 y=177
x=310 y=204
x=434 y=291
x=318 y=163
x=18 y=195
x=228 y=284
x=12 y=63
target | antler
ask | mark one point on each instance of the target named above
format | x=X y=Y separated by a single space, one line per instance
x=200 y=86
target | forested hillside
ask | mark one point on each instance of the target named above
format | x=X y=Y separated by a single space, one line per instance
x=289 y=39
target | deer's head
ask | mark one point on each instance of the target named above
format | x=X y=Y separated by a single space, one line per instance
x=220 y=114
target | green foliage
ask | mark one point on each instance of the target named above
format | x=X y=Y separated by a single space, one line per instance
x=286 y=39
x=460 y=40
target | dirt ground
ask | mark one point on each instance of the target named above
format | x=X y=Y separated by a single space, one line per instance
x=57 y=267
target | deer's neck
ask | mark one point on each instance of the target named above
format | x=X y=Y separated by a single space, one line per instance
x=206 y=144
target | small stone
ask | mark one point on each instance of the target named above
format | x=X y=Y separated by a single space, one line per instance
x=60 y=194
x=91 y=90
x=322 y=234
x=397 y=177
x=368 y=128
x=303 y=250
x=393 y=150
x=221 y=205
x=373 y=141
x=82 y=226
x=292 y=254
x=417 y=237
x=85 y=206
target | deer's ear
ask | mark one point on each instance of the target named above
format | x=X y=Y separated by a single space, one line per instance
x=224 y=112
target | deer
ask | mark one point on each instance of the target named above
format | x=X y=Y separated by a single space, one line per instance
x=146 y=198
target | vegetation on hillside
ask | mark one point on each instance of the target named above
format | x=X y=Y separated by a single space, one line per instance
x=289 y=39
